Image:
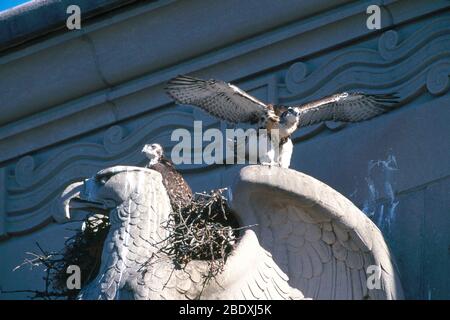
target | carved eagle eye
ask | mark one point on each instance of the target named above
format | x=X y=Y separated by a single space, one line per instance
x=102 y=179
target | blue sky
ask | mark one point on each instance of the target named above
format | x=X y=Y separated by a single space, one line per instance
x=6 y=4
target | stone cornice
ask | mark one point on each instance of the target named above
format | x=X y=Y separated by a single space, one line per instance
x=36 y=18
x=104 y=105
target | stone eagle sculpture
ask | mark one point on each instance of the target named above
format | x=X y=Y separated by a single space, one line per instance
x=309 y=241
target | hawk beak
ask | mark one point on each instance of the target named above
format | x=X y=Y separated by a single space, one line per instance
x=294 y=111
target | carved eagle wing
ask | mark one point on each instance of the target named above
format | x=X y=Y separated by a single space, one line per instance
x=251 y=273
x=220 y=99
x=346 y=107
x=314 y=236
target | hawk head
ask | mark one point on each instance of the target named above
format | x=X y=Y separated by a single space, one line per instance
x=154 y=152
x=290 y=116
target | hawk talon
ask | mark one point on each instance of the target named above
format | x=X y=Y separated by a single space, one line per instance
x=270 y=164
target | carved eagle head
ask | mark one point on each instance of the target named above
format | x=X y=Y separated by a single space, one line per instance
x=137 y=205
x=109 y=189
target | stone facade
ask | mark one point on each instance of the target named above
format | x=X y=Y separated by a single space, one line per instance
x=74 y=102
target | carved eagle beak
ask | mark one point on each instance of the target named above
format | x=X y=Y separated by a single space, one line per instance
x=77 y=196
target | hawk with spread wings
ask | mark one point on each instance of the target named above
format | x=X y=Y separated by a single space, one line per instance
x=231 y=104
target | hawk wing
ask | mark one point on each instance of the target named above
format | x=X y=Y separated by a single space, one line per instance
x=179 y=192
x=346 y=107
x=220 y=99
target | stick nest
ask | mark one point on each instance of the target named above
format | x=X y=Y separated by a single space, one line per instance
x=204 y=230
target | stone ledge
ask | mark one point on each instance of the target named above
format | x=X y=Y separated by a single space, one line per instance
x=33 y=19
